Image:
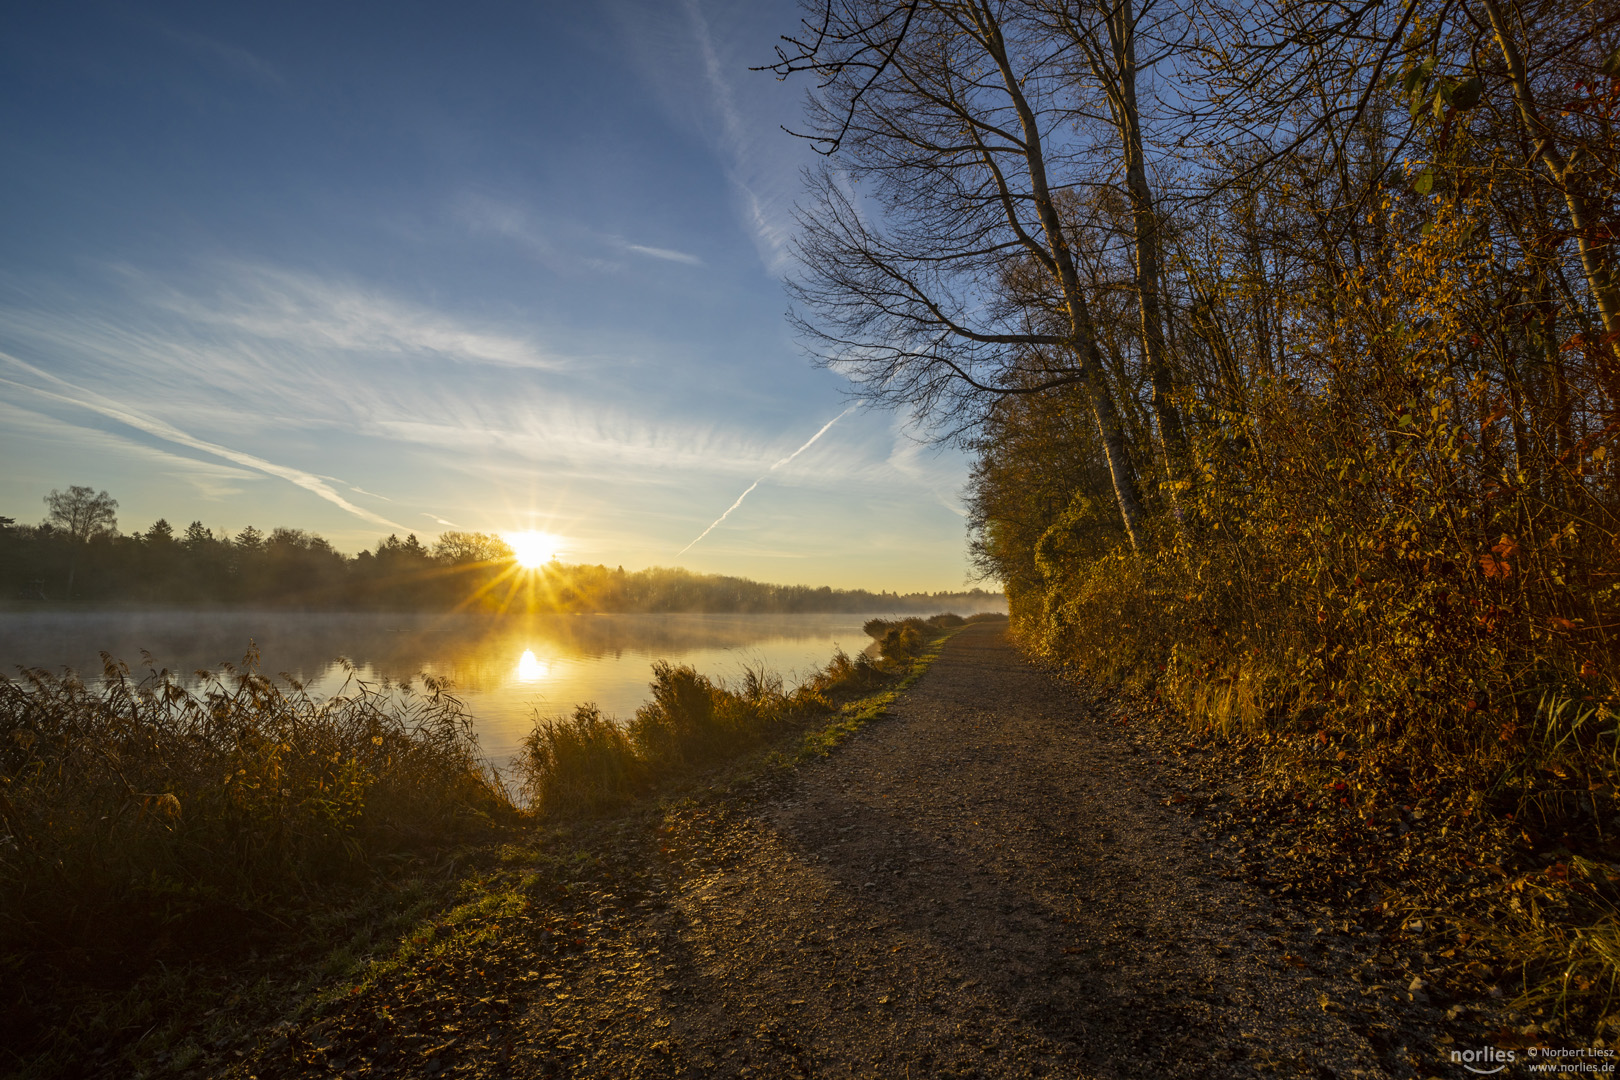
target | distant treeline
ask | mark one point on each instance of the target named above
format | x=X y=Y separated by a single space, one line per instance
x=52 y=565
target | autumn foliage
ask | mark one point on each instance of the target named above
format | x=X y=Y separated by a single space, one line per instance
x=1396 y=366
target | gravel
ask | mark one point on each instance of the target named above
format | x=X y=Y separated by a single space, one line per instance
x=1002 y=878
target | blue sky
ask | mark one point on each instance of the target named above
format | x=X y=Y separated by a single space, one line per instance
x=364 y=268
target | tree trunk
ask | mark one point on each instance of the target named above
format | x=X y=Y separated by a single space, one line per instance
x=1145 y=226
x=1116 y=450
x=1594 y=257
x=1115 y=447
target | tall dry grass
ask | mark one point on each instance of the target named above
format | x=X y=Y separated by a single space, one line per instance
x=131 y=802
x=583 y=762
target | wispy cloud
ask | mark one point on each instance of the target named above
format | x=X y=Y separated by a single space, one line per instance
x=318 y=313
x=764 y=205
x=939 y=477
x=578 y=440
x=211 y=479
x=171 y=353
x=88 y=400
x=509 y=221
x=275 y=348
x=232 y=58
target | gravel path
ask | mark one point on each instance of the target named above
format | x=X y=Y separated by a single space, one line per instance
x=999 y=879
x=987 y=883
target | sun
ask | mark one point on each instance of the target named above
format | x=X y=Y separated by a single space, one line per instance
x=532 y=548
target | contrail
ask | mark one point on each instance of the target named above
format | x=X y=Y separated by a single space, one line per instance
x=808 y=443
x=812 y=439
x=721 y=518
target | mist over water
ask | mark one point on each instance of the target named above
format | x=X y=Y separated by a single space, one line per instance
x=507 y=670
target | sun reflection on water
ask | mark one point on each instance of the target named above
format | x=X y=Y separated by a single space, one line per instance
x=530 y=669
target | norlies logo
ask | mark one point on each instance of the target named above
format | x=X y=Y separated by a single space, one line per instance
x=1485 y=1060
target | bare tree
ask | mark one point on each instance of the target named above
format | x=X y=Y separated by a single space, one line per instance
x=947 y=119
x=471 y=548
x=82 y=513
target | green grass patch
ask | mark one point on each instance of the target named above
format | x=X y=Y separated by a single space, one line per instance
x=857 y=714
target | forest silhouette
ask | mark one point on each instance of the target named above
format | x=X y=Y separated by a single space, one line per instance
x=78 y=557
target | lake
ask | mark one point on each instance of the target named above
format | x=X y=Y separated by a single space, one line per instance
x=507 y=669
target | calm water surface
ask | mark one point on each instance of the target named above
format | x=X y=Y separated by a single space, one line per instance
x=507 y=670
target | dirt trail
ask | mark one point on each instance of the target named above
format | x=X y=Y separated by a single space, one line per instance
x=986 y=883
x=993 y=881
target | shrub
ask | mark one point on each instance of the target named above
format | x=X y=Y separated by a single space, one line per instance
x=879 y=628
x=844 y=674
x=901 y=643
x=685 y=721
x=583 y=762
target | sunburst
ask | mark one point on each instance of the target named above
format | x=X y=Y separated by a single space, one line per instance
x=532 y=549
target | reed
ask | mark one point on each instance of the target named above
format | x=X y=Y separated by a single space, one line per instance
x=580 y=762
x=131 y=803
